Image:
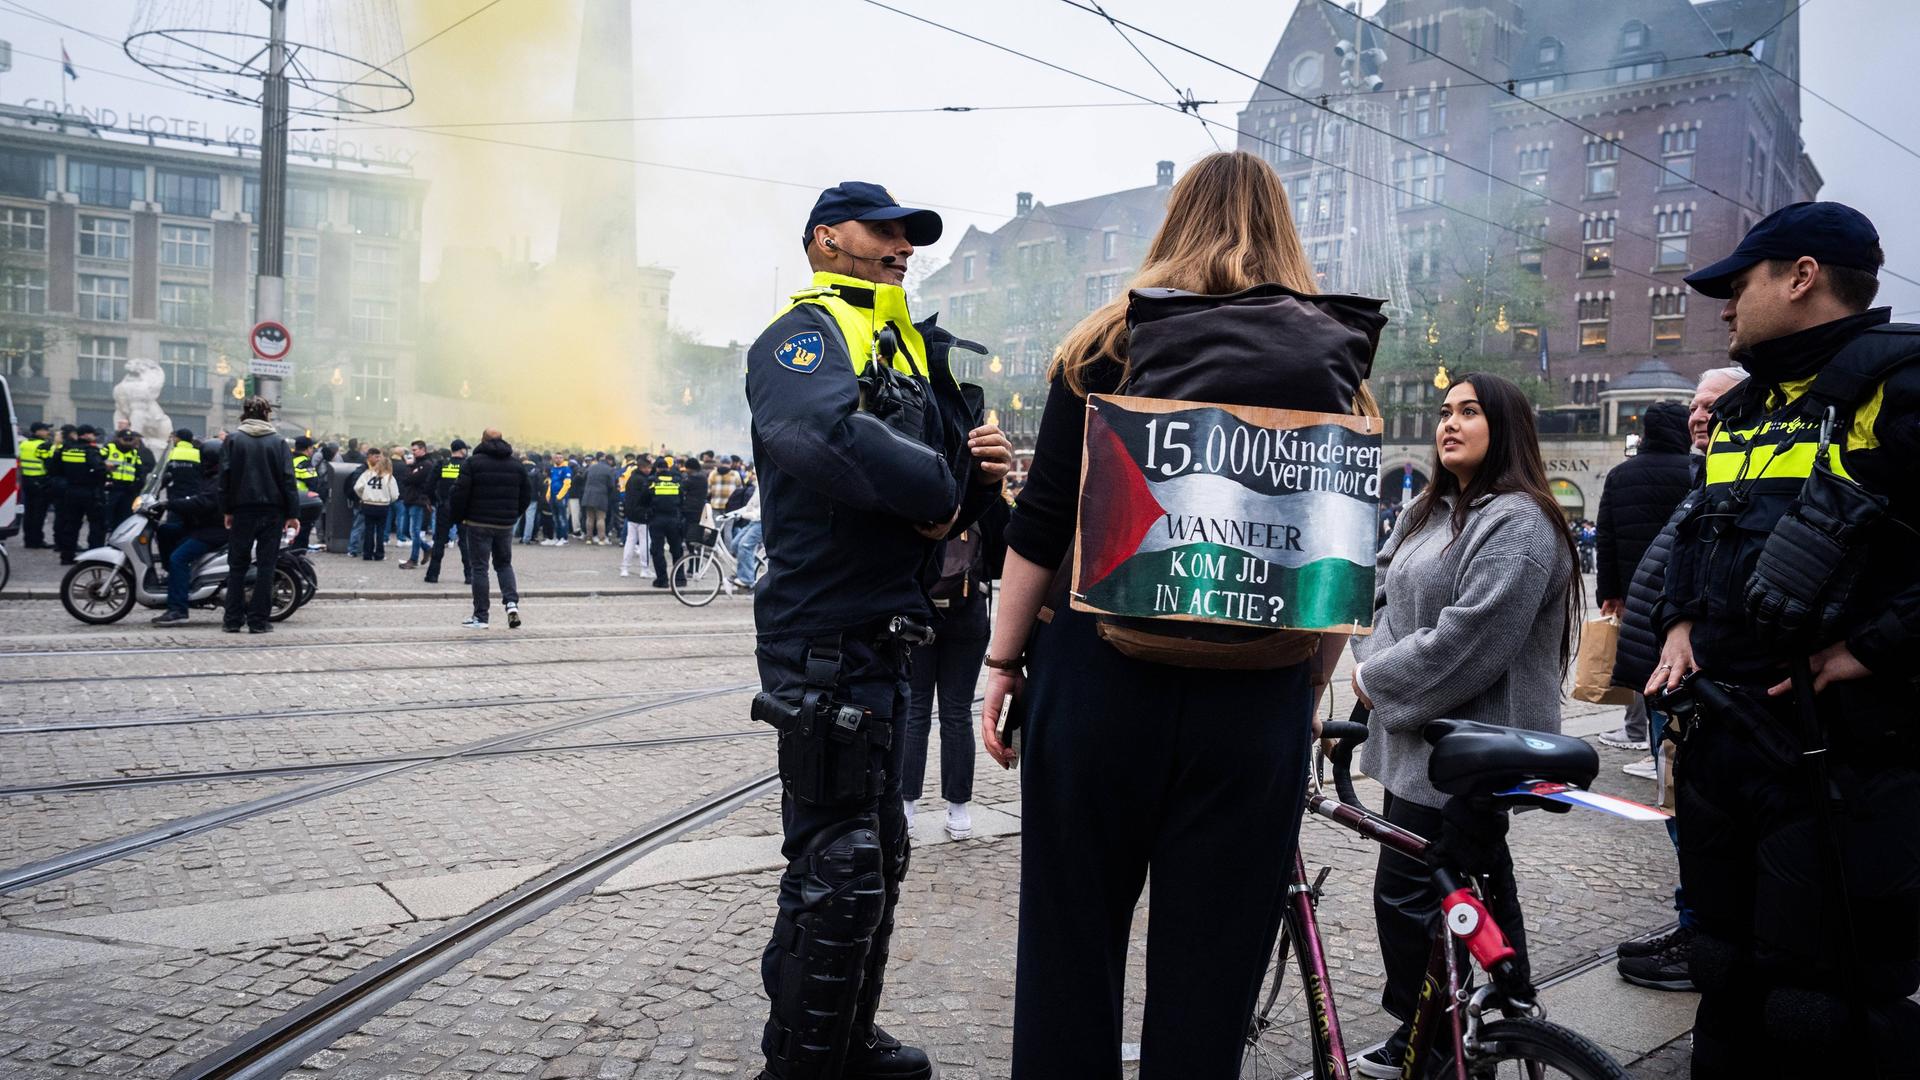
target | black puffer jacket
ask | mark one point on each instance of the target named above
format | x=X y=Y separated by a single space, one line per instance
x=493 y=489
x=256 y=471
x=1639 y=650
x=1640 y=495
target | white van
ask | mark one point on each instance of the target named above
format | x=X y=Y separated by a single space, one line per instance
x=9 y=465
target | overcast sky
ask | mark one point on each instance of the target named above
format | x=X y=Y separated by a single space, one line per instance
x=733 y=243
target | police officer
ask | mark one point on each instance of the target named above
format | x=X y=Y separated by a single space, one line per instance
x=662 y=507
x=306 y=477
x=443 y=480
x=128 y=465
x=82 y=477
x=1791 y=630
x=35 y=451
x=867 y=457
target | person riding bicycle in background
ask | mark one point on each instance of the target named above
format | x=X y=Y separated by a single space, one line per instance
x=1475 y=595
x=1792 y=615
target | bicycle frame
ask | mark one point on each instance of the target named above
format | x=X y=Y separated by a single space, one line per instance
x=1443 y=972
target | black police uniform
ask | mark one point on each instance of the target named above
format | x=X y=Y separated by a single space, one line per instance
x=1807 y=906
x=842 y=491
x=443 y=524
x=82 y=475
x=36 y=487
x=663 y=506
x=127 y=472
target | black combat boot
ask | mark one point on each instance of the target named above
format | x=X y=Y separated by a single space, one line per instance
x=880 y=1056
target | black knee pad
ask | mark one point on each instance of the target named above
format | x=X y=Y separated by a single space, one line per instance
x=1715 y=965
x=817 y=961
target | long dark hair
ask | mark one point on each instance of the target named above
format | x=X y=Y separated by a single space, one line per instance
x=1512 y=464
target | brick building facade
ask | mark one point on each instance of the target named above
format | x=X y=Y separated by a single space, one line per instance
x=1612 y=218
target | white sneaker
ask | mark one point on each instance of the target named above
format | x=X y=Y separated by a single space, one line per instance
x=1644 y=769
x=624 y=572
x=959 y=821
x=907 y=806
x=1622 y=741
x=513 y=616
x=475 y=624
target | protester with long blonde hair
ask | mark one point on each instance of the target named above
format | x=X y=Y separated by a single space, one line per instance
x=376 y=490
x=1130 y=766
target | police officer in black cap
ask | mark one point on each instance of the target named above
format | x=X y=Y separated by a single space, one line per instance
x=1791 y=627
x=444 y=477
x=81 y=473
x=868 y=455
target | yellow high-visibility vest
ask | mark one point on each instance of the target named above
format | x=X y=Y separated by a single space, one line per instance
x=858 y=326
x=122 y=465
x=33 y=457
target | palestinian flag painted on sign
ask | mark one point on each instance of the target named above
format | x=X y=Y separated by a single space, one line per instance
x=1227 y=514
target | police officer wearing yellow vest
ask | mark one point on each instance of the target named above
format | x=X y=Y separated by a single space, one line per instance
x=81 y=476
x=306 y=477
x=662 y=505
x=444 y=526
x=35 y=450
x=128 y=465
x=867 y=456
x=1791 y=639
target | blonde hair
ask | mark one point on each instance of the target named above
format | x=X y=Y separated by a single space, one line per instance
x=1228 y=227
x=381 y=466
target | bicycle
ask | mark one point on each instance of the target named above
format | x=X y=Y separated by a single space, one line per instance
x=709 y=565
x=1487 y=770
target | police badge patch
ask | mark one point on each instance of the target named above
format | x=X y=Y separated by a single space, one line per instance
x=801 y=352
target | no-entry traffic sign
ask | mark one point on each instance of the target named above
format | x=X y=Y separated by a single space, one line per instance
x=271 y=344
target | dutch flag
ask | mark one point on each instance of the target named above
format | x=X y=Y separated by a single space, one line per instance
x=66 y=62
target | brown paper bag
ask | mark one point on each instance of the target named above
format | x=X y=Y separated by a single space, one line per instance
x=1593 y=670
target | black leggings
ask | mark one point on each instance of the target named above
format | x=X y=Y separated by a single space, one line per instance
x=1127 y=767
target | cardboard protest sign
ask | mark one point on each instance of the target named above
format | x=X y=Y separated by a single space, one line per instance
x=1228 y=514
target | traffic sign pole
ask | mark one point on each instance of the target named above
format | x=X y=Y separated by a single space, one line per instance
x=268 y=296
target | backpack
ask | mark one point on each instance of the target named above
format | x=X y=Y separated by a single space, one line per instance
x=1267 y=347
x=959 y=559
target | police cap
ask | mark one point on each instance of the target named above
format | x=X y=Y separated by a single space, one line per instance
x=856 y=200
x=85 y=430
x=184 y=434
x=1831 y=233
x=302 y=443
x=37 y=427
x=457 y=444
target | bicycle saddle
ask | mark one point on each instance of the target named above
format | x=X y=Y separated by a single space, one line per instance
x=1471 y=758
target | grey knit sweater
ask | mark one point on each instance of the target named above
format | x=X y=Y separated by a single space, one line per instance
x=1469 y=630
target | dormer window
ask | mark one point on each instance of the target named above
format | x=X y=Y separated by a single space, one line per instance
x=1633 y=37
x=1549 y=53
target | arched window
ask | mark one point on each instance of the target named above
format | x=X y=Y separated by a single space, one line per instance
x=1633 y=37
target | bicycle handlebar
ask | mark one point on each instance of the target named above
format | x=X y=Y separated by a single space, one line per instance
x=1346 y=734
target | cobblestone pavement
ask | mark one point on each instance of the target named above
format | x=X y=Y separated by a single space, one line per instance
x=657 y=981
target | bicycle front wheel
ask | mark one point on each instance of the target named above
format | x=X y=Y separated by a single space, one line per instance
x=1283 y=1039
x=1527 y=1049
x=696 y=579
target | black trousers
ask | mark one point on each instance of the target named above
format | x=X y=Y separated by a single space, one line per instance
x=946 y=672
x=120 y=502
x=489 y=545
x=442 y=527
x=873 y=675
x=1130 y=767
x=664 y=534
x=1406 y=903
x=39 y=499
x=253 y=539
x=78 y=505
x=1783 y=992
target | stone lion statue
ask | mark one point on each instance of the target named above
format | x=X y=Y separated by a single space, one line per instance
x=136 y=401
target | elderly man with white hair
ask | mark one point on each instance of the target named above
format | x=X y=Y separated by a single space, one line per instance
x=1661 y=963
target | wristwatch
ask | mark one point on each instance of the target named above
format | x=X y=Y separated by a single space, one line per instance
x=1018 y=663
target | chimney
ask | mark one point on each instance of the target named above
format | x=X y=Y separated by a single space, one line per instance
x=1022 y=203
x=1163 y=174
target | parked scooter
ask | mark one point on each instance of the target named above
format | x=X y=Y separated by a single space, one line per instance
x=105 y=583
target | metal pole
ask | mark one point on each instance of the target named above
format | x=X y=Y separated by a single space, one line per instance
x=268 y=295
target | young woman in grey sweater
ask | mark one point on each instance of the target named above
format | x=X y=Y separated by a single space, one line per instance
x=1472 y=622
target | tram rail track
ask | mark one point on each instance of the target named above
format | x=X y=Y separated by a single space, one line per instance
x=296 y=714
x=280 y=1045
x=71 y=862
x=518 y=638
x=461 y=665
x=122 y=783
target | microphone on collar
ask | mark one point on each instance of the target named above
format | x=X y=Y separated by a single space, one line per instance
x=884 y=260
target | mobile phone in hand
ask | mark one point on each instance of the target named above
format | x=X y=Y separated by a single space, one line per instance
x=1013 y=717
